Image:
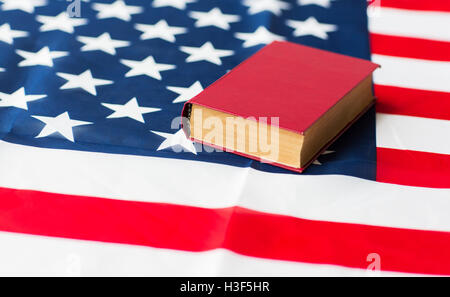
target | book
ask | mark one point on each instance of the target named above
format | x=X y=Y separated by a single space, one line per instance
x=284 y=105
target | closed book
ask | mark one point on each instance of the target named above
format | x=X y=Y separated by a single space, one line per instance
x=284 y=105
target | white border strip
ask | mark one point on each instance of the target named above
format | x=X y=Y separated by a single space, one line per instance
x=327 y=197
x=410 y=23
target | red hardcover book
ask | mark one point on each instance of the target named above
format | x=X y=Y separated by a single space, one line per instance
x=284 y=105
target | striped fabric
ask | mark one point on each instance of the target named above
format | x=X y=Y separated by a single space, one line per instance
x=411 y=40
x=119 y=217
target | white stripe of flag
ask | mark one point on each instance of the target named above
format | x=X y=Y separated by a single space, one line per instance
x=412 y=73
x=410 y=23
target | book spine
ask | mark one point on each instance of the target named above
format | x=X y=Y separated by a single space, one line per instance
x=186 y=118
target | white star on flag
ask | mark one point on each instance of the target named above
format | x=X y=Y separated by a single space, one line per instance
x=18 y=99
x=206 y=52
x=84 y=81
x=24 y=5
x=61 y=124
x=274 y=6
x=160 y=30
x=147 y=67
x=43 y=57
x=102 y=43
x=131 y=110
x=311 y=27
x=323 y=3
x=186 y=94
x=317 y=162
x=260 y=36
x=215 y=18
x=178 y=142
x=117 y=9
x=2 y=69
x=7 y=34
x=61 y=22
x=180 y=4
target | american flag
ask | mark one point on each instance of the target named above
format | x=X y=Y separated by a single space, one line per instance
x=91 y=183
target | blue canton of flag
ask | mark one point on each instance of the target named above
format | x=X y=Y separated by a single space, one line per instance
x=113 y=79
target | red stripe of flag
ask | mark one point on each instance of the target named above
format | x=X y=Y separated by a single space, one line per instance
x=237 y=229
x=410 y=47
x=413 y=168
x=433 y=5
x=418 y=103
